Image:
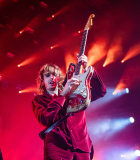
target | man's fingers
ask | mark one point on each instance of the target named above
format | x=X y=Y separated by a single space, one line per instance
x=82 y=58
x=74 y=80
x=75 y=83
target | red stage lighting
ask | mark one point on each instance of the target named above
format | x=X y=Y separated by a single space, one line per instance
x=29 y=89
x=21 y=31
x=28 y=61
x=104 y=65
x=120 y=87
x=114 y=51
x=132 y=52
x=69 y=58
x=94 y=54
x=10 y=55
x=29 y=30
x=43 y=5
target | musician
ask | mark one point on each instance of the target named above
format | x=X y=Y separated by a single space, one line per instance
x=69 y=140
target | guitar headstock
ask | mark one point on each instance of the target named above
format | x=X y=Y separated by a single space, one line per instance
x=89 y=22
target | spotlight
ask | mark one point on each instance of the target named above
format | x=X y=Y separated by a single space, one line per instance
x=19 y=91
x=127 y=90
x=114 y=93
x=20 y=32
x=104 y=65
x=137 y=152
x=79 y=32
x=51 y=47
x=132 y=120
x=10 y=55
x=122 y=61
x=18 y=65
x=52 y=16
x=43 y=5
x=122 y=155
x=29 y=30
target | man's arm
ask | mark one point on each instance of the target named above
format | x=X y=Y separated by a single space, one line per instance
x=98 y=89
x=47 y=114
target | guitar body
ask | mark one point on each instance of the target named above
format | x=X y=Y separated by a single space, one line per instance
x=80 y=98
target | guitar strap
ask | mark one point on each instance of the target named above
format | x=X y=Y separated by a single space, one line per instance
x=43 y=133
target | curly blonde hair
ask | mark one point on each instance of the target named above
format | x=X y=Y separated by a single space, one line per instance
x=47 y=68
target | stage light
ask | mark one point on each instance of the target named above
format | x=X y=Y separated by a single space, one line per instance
x=132 y=120
x=137 y=152
x=120 y=89
x=122 y=155
x=122 y=61
x=114 y=51
x=29 y=89
x=54 y=46
x=127 y=90
x=131 y=154
x=10 y=55
x=29 y=60
x=52 y=16
x=19 y=91
x=104 y=65
x=79 y=32
x=43 y=5
x=69 y=58
x=94 y=52
x=29 y=30
x=132 y=52
x=21 y=32
x=108 y=127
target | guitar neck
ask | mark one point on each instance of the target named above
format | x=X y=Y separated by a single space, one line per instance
x=82 y=50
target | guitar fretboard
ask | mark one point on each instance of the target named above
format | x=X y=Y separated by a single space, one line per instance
x=82 y=50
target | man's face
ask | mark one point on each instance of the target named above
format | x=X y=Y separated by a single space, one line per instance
x=51 y=80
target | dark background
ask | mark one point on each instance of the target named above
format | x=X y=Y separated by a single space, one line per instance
x=116 y=24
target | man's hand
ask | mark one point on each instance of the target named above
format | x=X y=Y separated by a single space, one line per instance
x=70 y=87
x=83 y=58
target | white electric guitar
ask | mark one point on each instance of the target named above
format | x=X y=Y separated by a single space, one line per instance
x=80 y=98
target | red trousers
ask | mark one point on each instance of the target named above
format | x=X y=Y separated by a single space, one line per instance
x=55 y=148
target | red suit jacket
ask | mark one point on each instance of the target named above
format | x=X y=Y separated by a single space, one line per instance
x=48 y=110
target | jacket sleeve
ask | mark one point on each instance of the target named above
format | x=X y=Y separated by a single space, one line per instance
x=98 y=89
x=47 y=114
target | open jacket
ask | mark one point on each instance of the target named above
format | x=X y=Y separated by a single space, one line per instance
x=48 y=110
